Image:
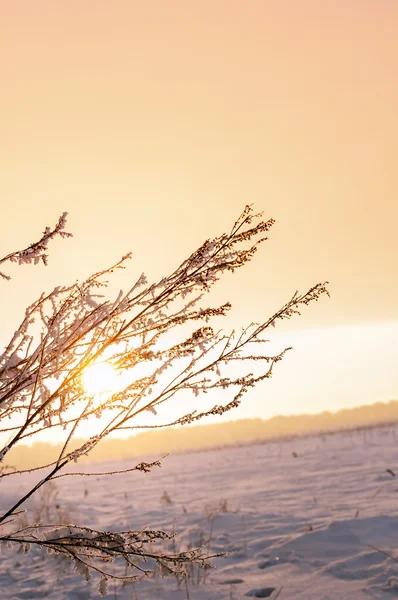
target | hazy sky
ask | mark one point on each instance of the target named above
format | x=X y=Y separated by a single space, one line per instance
x=153 y=123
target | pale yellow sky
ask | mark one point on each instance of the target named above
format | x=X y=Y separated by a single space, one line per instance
x=154 y=123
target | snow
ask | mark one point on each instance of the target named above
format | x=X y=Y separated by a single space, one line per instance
x=316 y=526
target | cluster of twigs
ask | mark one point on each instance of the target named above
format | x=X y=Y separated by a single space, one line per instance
x=91 y=549
x=71 y=328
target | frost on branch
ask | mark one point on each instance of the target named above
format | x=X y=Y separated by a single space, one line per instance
x=71 y=328
x=124 y=555
x=37 y=252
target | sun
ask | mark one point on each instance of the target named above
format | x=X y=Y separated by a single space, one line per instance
x=101 y=378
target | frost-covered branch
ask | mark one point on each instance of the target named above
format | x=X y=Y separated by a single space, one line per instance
x=36 y=252
x=93 y=550
x=157 y=338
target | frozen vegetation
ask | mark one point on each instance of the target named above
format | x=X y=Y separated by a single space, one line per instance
x=311 y=518
x=79 y=363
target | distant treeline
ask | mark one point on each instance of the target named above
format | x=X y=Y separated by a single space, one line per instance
x=157 y=441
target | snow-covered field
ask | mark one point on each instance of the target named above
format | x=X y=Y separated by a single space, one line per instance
x=313 y=519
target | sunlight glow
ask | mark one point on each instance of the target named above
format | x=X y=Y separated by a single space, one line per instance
x=101 y=378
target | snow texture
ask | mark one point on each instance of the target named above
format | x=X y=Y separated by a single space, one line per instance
x=306 y=519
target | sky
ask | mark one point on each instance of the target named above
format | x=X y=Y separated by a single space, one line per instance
x=154 y=123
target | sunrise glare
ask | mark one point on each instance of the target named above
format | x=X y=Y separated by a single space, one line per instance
x=101 y=378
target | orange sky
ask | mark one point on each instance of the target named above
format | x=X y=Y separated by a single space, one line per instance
x=153 y=123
